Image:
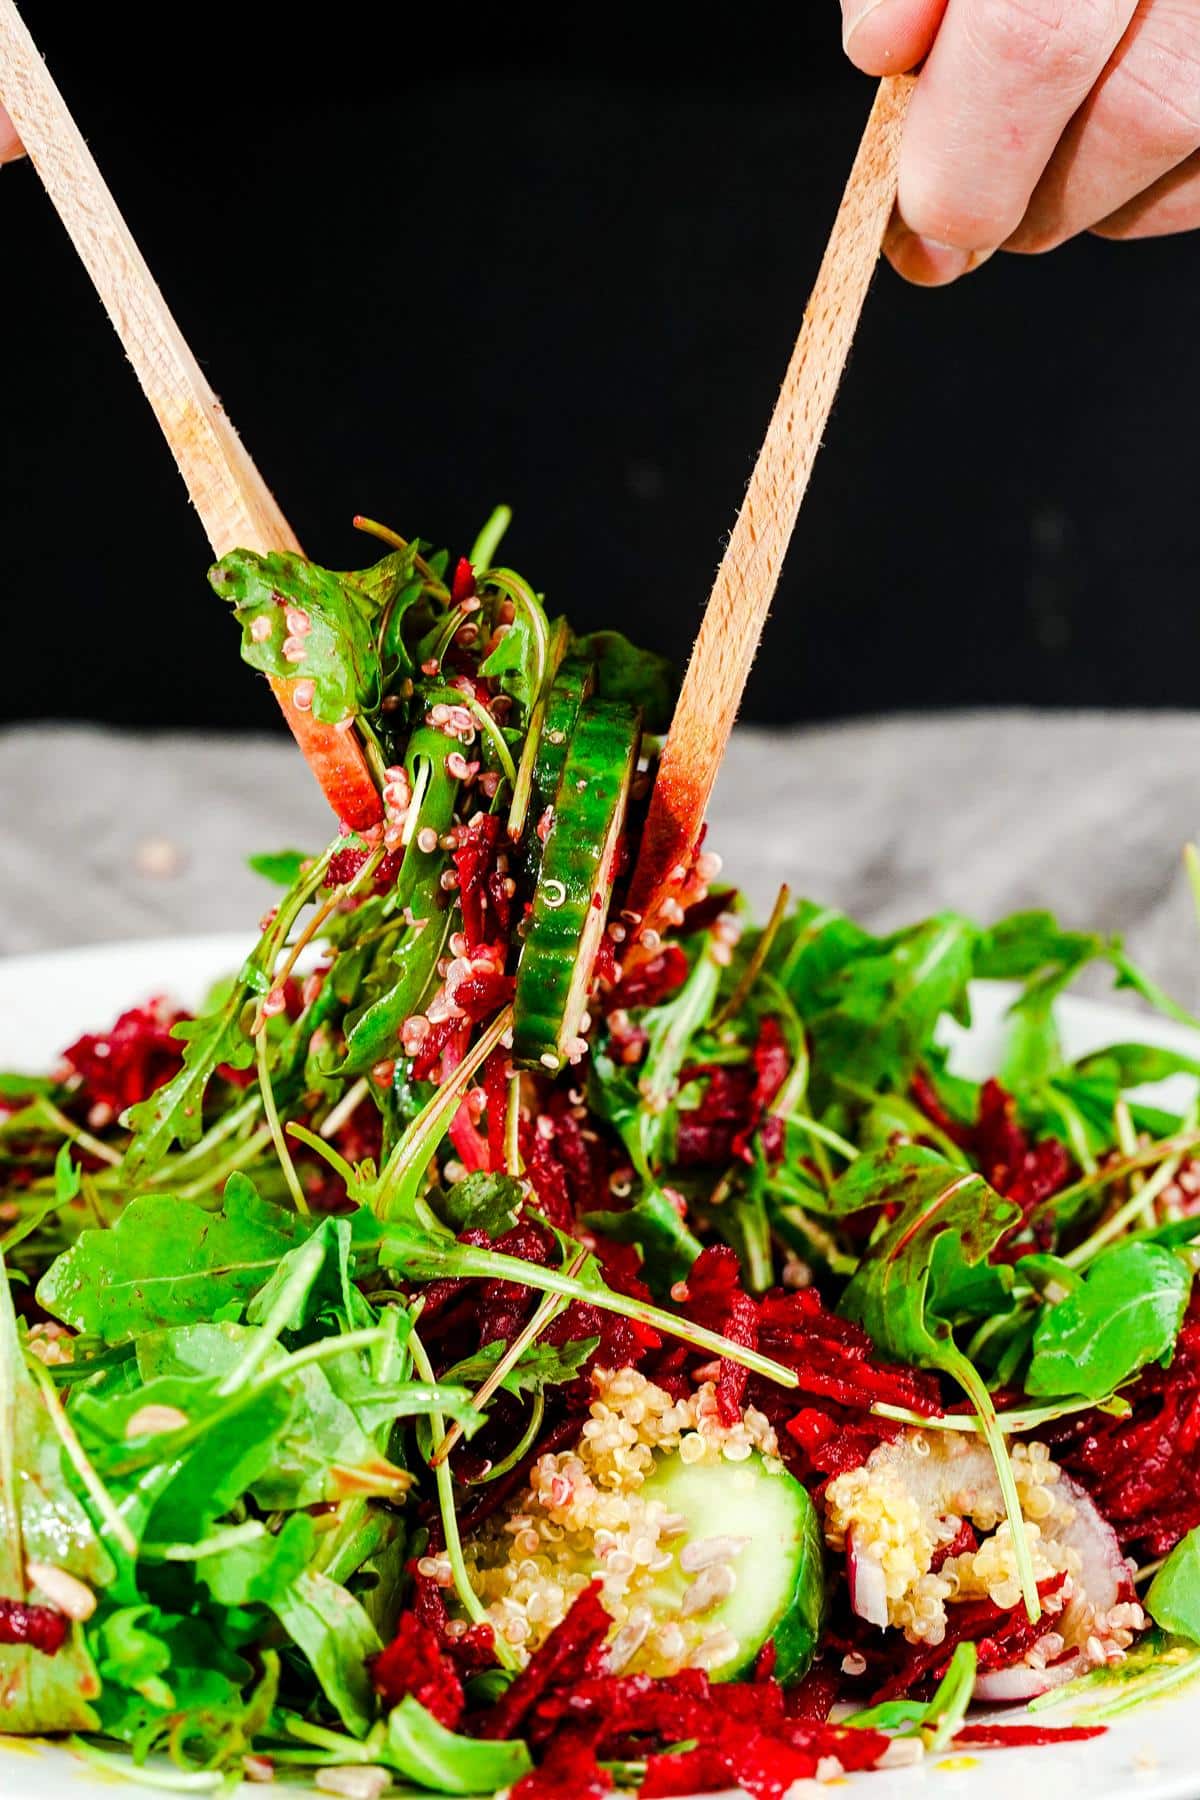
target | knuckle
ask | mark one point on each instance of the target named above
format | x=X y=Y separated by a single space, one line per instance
x=1064 y=40
x=1159 y=92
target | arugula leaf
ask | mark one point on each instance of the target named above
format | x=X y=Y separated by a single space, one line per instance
x=877 y=1012
x=1125 y=1312
x=168 y=1262
x=542 y=1366
x=40 y=1521
x=482 y=1202
x=1030 y=943
x=1173 y=1600
x=175 y=1111
x=279 y=866
x=423 y=1751
x=639 y=677
x=327 y=1623
x=947 y=1222
x=315 y=1285
x=341 y=656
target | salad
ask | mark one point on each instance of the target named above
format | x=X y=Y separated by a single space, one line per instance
x=506 y=1342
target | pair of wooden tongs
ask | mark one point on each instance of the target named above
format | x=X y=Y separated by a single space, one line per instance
x=238 y=510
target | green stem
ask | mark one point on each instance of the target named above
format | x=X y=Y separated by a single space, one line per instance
x=546 y=1311
x=1117 y=1171
x=740 y=992
x=973 y=1385
x=1136 y=1207
x=468 y=1598
x=276 y=1129
x=245 y=1153
x=96 y=1491
x=75 y=1134
x=523 y=781
x=423 y=1258
x=1011 y=1423
x=823 y=1134
x=408 y=1162
x=488 y=542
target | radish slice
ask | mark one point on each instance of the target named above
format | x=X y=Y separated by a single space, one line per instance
x=868 y=1586
x=1019 y=1684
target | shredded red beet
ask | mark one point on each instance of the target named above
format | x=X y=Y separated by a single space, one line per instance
x=121 y=1066
x=414 y=1663
x=1027 y=1173
x=963 y=1543
x=1003 y=1638
x=344 y=865
x=469 y=1652
x=1144 y=1471
x=569 y=1772
x=485 y=904
x=1011 y=1737
x=573 y=1651
x=653 y=981
x=40 y=1627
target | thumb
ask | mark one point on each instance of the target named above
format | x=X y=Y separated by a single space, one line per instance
x=886 y=37
x=10 y=143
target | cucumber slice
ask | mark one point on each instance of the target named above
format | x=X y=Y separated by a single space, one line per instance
x=570 y=903
x=780 y=1593
x=572 y=686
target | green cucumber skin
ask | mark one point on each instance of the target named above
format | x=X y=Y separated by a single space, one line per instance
x=589 y=810
x=717 y=1498
x=573 y=685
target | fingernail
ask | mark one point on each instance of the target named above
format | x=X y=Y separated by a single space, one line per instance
x=854 y=14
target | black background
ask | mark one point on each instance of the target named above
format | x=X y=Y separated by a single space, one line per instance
x=559 y=259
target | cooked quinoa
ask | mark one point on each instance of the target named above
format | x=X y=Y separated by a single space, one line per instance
x=582 y=1516
x=901 y=1532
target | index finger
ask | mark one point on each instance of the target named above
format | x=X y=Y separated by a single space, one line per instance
x=10 y=143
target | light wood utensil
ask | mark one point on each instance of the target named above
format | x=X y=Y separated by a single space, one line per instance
x=236 y=507
x=746 y=580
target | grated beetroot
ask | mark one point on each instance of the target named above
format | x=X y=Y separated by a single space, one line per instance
x=39 y=1627
x=569 y=1772
x=414 y=1663
x=344 y=865
x=653 y=981
x=486 y=906
x=1143 y=1472
x=1029 y=1174
x=573 y=1651
x=119 y=1067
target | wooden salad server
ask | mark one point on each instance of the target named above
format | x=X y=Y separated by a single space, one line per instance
x=749 y=572
x=236 y=508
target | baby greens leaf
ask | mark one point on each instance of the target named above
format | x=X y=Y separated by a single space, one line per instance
x=424 y=1752
x=263 y=1569
x=336 y=1636
x=1174 y=1597
x=1126 y=1312
x=667 y=1247
x=168 y=1262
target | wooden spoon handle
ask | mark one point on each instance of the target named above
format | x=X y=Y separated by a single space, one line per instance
x=236 y=507
x=746 y=580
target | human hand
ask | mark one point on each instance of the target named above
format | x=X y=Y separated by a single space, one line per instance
x=10 y=143
x=1034 y=120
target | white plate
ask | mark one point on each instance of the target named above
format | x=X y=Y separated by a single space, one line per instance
x=46 y=1001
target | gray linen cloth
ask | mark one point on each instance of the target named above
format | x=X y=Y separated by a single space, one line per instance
x=110 y=835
